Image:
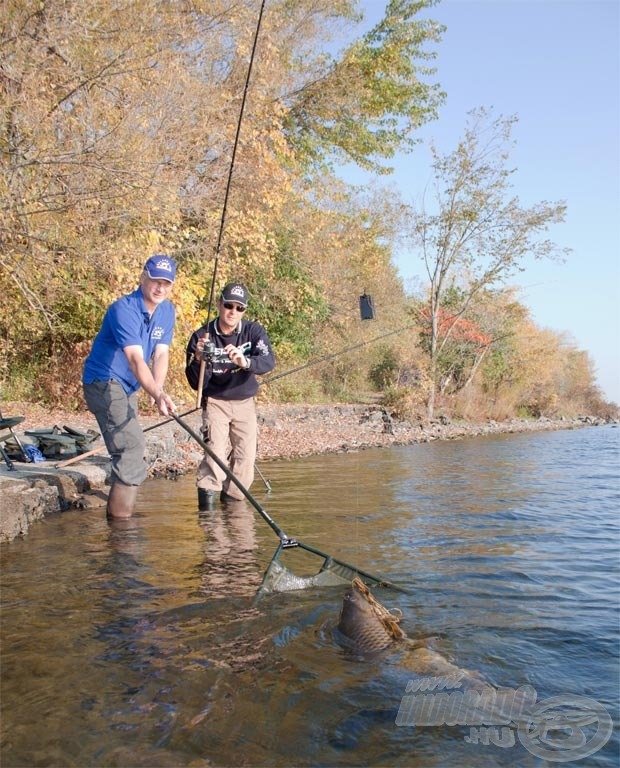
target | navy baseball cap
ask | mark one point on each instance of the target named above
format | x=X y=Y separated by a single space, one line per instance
x=235 y=292
x=161 y=267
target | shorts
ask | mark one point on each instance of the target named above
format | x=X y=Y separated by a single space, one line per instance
x=117 y=416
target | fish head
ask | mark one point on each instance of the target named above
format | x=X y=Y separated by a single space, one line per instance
x=355 y=608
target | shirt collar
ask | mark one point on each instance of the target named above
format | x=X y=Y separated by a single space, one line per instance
x=216 y=327
x=147 y=315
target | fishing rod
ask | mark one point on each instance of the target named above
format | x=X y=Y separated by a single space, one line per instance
x=322 y=359
x=332 y=355
x=315 y=361
x=218 y=246
x=80 y=456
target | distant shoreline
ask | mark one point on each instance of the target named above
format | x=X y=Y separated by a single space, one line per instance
x=286 y=432
x=293 y=431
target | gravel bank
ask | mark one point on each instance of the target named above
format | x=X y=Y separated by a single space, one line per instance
x=285 y=432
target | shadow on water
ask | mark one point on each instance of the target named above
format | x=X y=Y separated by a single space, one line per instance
x=142 y=643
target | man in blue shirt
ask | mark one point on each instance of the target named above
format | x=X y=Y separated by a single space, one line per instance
x=131 y=351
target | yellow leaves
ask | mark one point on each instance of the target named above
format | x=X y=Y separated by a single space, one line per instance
x=153 y=241
x=122 y=123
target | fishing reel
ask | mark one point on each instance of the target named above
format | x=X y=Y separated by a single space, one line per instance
x=212 y=353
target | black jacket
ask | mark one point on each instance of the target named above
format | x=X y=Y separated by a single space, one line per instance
x=224 y=380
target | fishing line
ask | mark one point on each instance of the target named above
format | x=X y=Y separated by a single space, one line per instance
x=218 y=246
x=315 y=361
x=331 y=355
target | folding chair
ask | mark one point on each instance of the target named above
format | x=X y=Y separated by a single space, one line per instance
x=9 y=423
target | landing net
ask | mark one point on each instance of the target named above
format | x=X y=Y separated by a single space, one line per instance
x=331 y=572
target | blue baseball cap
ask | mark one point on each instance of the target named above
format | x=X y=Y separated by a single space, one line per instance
x=160 y=267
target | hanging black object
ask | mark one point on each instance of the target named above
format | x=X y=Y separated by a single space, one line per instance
x=367 y=307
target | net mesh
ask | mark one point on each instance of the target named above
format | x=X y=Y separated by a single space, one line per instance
x=280 y=578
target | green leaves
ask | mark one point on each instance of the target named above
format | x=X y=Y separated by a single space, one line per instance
x=368 y=103
x=478 y=238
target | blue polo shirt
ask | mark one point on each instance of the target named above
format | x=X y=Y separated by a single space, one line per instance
x=127 y=323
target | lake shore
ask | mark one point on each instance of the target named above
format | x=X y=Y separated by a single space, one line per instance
x=289 y=431
x=293 y=431
x=31 y=491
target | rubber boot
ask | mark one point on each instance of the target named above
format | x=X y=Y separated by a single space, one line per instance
x=121 y=500
x=206 y=499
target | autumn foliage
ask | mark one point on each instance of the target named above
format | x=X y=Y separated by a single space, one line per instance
x=119 y=122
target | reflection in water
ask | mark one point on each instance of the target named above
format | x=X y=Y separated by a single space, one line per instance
x=230 y=565
x=139 y=642
x=125 y=541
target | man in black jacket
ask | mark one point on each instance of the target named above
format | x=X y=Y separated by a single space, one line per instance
x=234 y=351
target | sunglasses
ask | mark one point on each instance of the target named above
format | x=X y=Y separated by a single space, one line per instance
x=238 y=307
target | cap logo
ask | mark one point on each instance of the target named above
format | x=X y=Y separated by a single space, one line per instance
x=237 y=290
x=160 y=267
x=164 y=264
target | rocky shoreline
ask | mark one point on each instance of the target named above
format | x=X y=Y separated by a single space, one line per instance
x=293 y=431
x=33 y=491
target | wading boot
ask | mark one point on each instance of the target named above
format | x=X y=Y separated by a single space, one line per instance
x=226 y=498
x=206 y=499
x=122 y=500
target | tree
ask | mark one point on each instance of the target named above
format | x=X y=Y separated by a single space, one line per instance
x=118 y=126
x=100 y=151
x=367 y=104
x=479 y=235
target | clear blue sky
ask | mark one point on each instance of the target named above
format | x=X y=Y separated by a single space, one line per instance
x=555 y=64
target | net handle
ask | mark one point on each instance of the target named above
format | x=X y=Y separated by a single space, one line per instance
x=285 y=540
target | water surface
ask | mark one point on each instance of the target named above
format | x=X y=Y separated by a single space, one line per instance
x=142 y=643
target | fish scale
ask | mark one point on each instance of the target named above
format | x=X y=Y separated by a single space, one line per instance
x=360 y=623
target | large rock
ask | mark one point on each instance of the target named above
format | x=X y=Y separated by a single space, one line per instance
x=32 y=491
x=22 y=502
